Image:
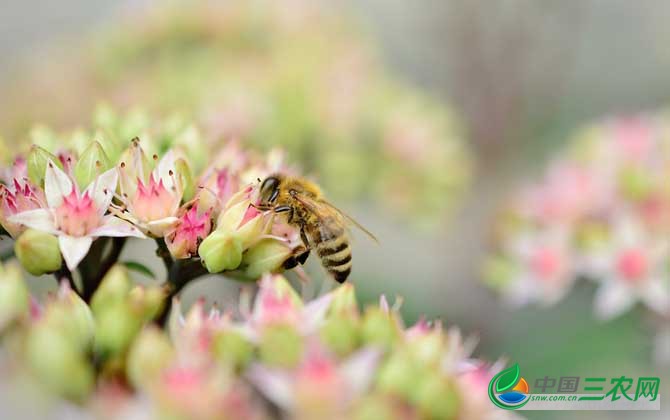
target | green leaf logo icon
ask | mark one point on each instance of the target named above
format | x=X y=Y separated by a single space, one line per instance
x=508 y=378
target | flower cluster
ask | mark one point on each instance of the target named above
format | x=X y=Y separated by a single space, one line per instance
x=602 y=213
x=276 y=356
x=57 y=205
x=290 y=74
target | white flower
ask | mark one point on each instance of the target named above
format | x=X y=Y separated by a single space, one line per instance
x=545 y=268
x=634 y=267
x=75 y=217
x=151 y=200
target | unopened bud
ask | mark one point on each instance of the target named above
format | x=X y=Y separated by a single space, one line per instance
x=70 y=314
x=58 y=363
x=399 y=375
x=37 y=161
x=341 y=334
x=233 y=349
x=242 y=221
x=148 y=301
x=14 y=297
x=38 y=252
x=344 y=301
x=220 y=251
x=281 y=337
x=437 y=398
x=379 y=327
x=267 y=256
x=116 y=327
x=150 y=354
x=114 y=288
x=498 y=271
x=92 y=162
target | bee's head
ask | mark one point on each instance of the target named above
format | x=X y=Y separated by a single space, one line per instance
x=269 y=191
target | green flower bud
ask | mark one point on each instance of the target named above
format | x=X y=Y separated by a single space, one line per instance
x=267 y=256
x=231 y=348
x=148 y=301
x=281 y=337
x=220 y=251
x=379 y=328
x=114 y=288
x=344 y=301
x=437 y=397
x=14 y=296
x=37 y=164
x=116 y=327
x=69 y=314
x=373 y=408
x=399 y=375
x=150 y=354
x=341 y=334
x=429 y=347
x=58 y=363
x=636 y=183
x=38 y=252
x=498 y=271
x=230 y=221
x=92 y=162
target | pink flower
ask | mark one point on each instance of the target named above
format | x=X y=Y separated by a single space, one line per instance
x=19 y=197
x=75 y=217
x=151 y=200
x=545 y=268
x=277 y=303
x=320 y=386
x=193 y=226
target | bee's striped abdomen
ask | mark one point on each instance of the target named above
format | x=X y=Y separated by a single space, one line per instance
x=335 y=255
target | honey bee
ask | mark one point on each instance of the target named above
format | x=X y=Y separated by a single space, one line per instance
x=323 y=227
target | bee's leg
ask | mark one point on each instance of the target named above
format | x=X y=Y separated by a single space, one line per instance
x=299 y=257
x=283 y=209
x=302 y=258
x=303 y=236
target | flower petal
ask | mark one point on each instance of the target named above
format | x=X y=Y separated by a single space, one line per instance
x=157 y=228
x=56 y=185
x=40 y=219
x=275 y=385
x=613 y=299
x=164 y=168
x=74 y=249
x=359 y=370
x=114 y=227
x=102 y=189
x=655 y=295
x=315 y=312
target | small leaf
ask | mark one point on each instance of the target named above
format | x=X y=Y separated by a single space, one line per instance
x=507 y=378
x=139 y=268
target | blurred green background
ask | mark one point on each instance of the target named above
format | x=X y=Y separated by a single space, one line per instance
x=521 y=75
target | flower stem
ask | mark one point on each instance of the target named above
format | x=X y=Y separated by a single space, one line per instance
x=65 y=273
x=92 y=281
x=179 y=274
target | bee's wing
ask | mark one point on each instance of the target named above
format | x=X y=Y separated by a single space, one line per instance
x=316 y=206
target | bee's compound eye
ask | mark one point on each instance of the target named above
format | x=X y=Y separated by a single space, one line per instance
x=269 y=189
